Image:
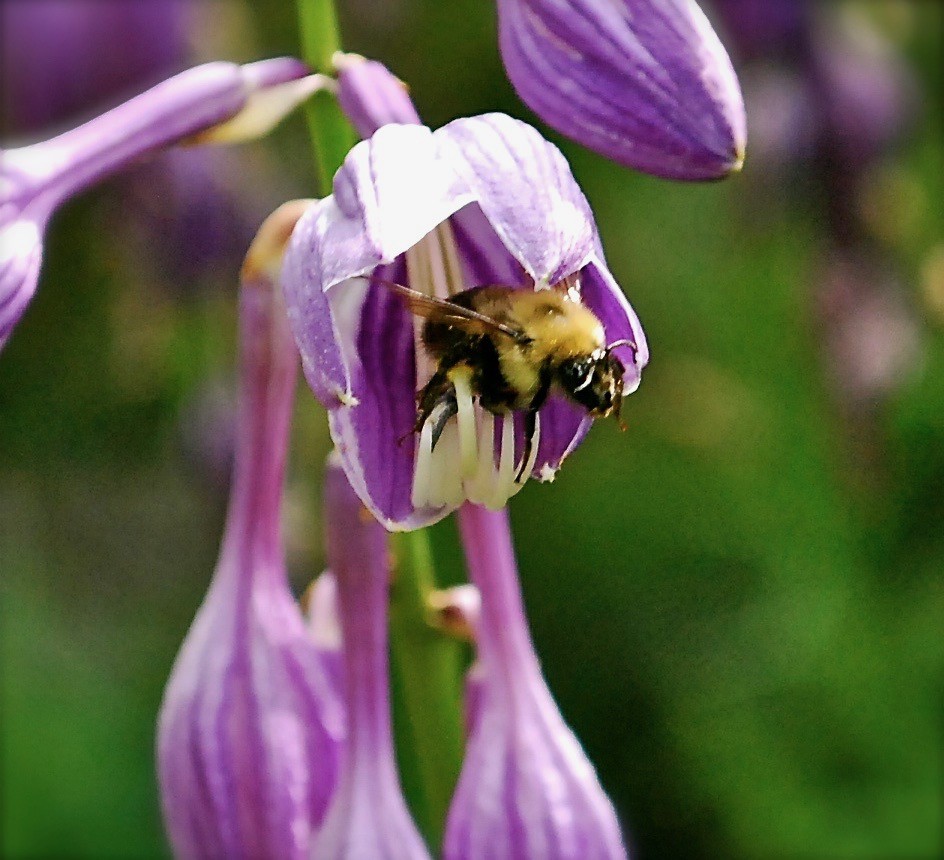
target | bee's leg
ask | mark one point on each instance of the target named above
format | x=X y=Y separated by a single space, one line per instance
x=436 y=401
x=445 y=408
x=530 y=423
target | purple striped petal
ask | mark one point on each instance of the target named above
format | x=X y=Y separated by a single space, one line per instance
x=368 y=817
x=644 y=82
x=526 y=787
x=250 y=729
x=526 y=191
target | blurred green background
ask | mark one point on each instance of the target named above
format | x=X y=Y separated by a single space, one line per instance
x=738 y=603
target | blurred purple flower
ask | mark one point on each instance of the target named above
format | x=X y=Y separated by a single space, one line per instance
x=221 y=101
x=526 y=788
x=646 y=83
x=250 y=732
x=484 y=200
x=324 y=623
x=766 y=30
x=65 y=58
x=368 y=817
x=870 y=336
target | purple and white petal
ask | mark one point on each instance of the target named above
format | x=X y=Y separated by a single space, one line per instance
x=524 y=187
x=644 y=82
x=36 y=179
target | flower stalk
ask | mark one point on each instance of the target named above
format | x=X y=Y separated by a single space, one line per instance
x=331 y=133
x=427 y=667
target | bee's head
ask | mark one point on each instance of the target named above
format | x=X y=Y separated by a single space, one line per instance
x=595 y=381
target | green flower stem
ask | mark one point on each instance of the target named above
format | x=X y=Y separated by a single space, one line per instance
x=428 y=669
x=426 y=664
x=331 y=133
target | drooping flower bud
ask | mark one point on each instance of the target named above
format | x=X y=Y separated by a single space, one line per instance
x=250 y=730
x=646 y=83
x=526 y=789
x=371 y=96
x=368 y=817
x=216 y=102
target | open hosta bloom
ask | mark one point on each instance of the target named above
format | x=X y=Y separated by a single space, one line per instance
x=220 y=101
x=251 y=729
x=527 y=789
x=482 y=201
x=644 y=82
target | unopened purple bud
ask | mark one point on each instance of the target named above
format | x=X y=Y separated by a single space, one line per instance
x=368 y=817
x=526 y=788
x=219 y=102
x=250 y=732
x=371 y=96
x=646 y=83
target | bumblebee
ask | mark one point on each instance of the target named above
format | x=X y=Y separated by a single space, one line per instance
x=516 y=346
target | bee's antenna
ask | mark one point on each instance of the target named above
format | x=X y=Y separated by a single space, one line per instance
x=619 y=404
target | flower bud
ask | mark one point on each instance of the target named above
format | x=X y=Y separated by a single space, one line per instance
x=646 y=83
x=250 y=729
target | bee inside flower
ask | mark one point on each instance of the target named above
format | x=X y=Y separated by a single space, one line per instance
x=502 y=350
x=455 y=314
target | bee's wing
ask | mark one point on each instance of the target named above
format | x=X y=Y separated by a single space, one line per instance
x=448 y=313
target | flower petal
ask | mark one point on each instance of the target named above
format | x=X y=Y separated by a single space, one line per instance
x=644 y=82
x=21 y=252
x=524 y=187
x=368 y=816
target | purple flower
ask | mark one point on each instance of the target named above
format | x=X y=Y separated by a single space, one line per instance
x=63 y=58
x=644 y=82
x=763 y=30
x=250 y=732
x=368 y=817
x=216 y=102
x=484 y=200
x=526 y=788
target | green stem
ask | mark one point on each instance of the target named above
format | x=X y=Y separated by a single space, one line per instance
x=331 y=133
x=428 y=669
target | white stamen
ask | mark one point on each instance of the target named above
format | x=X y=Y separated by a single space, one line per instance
x=463 y=464
x=466 y=420
x=481 y=486
x=446 y=472
x=505 y=479
x=422 y=471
